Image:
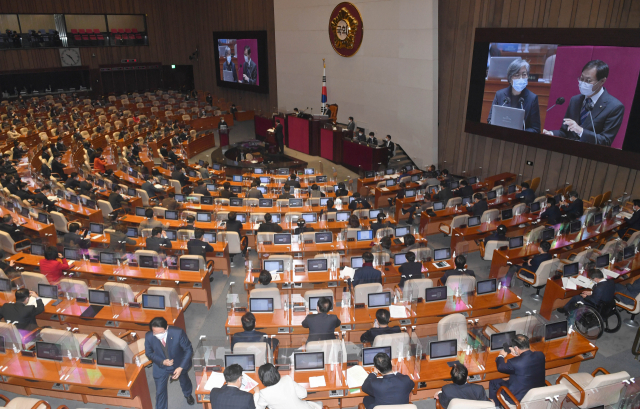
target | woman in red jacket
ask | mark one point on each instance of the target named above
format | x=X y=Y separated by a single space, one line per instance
x=51 y=267
x=99 y=165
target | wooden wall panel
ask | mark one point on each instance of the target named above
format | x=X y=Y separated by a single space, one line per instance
x=457 y=21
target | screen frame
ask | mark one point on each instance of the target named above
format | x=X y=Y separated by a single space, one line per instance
x=385 y=348
x=263 y=59
x=295 y=361
x=242 y=355
x=442 y=357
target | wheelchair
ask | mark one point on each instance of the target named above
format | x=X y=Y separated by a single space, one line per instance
x=591 y=321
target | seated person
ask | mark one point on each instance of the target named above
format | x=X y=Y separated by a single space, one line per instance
x=170 y=202
x=358 y=202
x=229 y=395
x=444 y=193
x=286 y=191
x=535 y=261
x=330 y=208
x=460 y=270
x=321 y=325
x=410 y=270
x=198 y=247
x=632 y=290
x=150 y=222
x=249 y=333
x=464 y=190
x=409 y=242
x=268 y=226
x=115 y=198
x=23 y=316
x=302 y=228
x=366 y=273
x=460 y=389
x=281 y=393
x=14 y=231
x=315 y=191
x=264 y=280
x=118 y=240
x=380 y=327
x=51 y=267
x=158 y=241
x=633 y=222
x=191 y=222
x=574 y=206
x=232 y=224
x=73 y=238
x=384 y=246
x=254 y=192
x=226 y=192
x=293 y=181
x=527 y=195
x=392 y=388
x=601 y=293
x=380 y=223
x=551 y=212
x=342 y=190
x=479 y=205
x=499 y=235
x=201 y=188
x=354 y=222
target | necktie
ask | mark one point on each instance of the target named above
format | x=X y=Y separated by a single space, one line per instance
x=164 y=343
x=584 y=113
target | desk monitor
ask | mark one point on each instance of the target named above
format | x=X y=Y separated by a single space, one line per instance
x=401 y=231
x=91 y=204
x=369 y=353
x=237 y=178
x=555 y=330
x=275 y=218
x=235 y=201
x=575 y=226
x=627 y=252
x=110 y=357
x=172 y=235
x=274 y=265
x=5 y=285
x=410 y=193
x=324 y=200
x=369 y=174
x=60 y=194
x=597 y=218
x=192 y=173
x=96 y=228
x=209 y=238
x=265 y=202
x=380 y=299
x=71 y=254
x=432 y=189
x=389 y=171
x=48 y=350
x=309 y=171
x=507 y=214
x=313 y=302
x=108 y=258
x=310 y=217
x=203 y=217
x=474 y=180
x=295 y=202
x=356 y=262
x=399 y=258
x=164 y=182
x=498 y=340
x=324 y=237
x=473 y=221
x=258 y=171
x=438 y=206
x=179 y=198
x=343 y=216
x=47 y=291
x=236 y=189
x=206 y=200
x=365 y=235
x=73 y=199
x=602 y=261
x=282 y=238
x=132 y=232
x=282 y=171
x=454 y=184
x=43 y=218
x=100 y=182
x=2 y=345
x=321 y=179
x=246 y=361
x=486 y=286
x=147 y=262
x=569 y=270
x=308 y=361
x=131 y=192
x=466 y=201
x=99 y=297
x=317 y=265
x=140 y=211
x=351 y=199
x=443 y=349
x=511 y=189
x=189 y=264
x=373 y=213
x=153 y=302
x=211 y=187
x=516 y=242
x=547 y=234
x=241 y=217
x=262 y=189
x=171 y=214
x=492 y=194
x=441 y=254
x=261 y=304
x=216 y=166
x=415 y=178
x=435 y=294
x=534 y=207
x=37 y=249
x=390 y=182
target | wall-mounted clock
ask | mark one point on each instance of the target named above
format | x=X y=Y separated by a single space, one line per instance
x=70 y=57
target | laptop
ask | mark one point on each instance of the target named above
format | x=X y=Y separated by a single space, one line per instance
x=379 y=299
x=71 y=254
x=356 y=262
x=498 y=340
x=110 y=357
x=309 y=171
x=246 y=361
x=410 y=193
x=274 y=265
x=261 y=304
x=147 y=262
x=365 y=235
x=547 y=234
x=282 y=238
x=435 y=294
x=37 y=249
x=486 y=286
x=99 y=297
x=235 y=201
x=443 y=349
x=627 y=252
x=569 y=270
x=324 y=237
x=317 y=265
x=313 y=302
x=535 y=207
x=399 y=258
x=140 y=211
x=203 y=217
x=492 y=194
x=575 y=226
x=373 y=213
x=132 y=232
x=153 y=302
x=511 y=189
x=369 y=353
x=295 y=202
x=516 y=242
x=308 y=361
x=321 y=179
x=43 y=218
x=206 y=200
x=555 y=330
x=498 y=67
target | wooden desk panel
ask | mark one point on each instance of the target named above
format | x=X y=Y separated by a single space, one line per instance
x=46 y=232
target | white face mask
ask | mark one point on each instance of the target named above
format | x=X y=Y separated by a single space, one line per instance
x=585 y=89
x=246 y=58
x=162 y=336
x=228 y=59
x=519 y=84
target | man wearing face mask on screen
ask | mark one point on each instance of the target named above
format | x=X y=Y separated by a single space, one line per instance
x=517 y=95
x=249 y=68
x=606 y=110
x=229 y=65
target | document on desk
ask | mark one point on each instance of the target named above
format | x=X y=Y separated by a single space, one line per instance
x=624 y=215
x=274 y=275
x=347 y=272
x=583 y=281
x=247 y=383
x=398 y=311
x=317 y=381
x=216 y=380
x=568 y=285
x=384 y=189
x=356 y=376
x=610 y=273
x=45 y=301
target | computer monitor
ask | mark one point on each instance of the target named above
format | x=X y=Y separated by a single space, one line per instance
x=309 y=171
x=37 y=249
x=369 y=353
x=627 y=252
x=313 y=302
x=209 y=237
x=380 y=299
x=132 y=232
x=466 y=201
x=555 y=330
x=602 y=261
x=47 y=291
x=442 y=254
x=324 y=200
x=438 y=206
x=575 y=226
x=206 y=200
x=343 y=216
x=108 y=258
x=73 y=199
x=547 y=234
x=369 y=174
x=100 y=182
x=473 y=221
x=435 y=294
x=321 y=179
x=153 y=302
x=569 y=270
x=236 y=189
x=147 y=262
x=96 y=228
x=356 y=262
x=597 y=218
x=189 y=264
x=71 y=254
x=262 y=189
x=164 y=182
x=211 y=187
x=172 y=235
x=511 y=189
x=308 y=361
x=140 y=211
x=295 y=202
x=365 y=235
x=43 y=218
x=492 y=194
x=324 y=237
x=486 y=286
x=516 y=242
x=390 y=171
x=203 y=217
x=110 y=357
x=282 y=239
x=454 y=184
x=275 y=218
x=373 y=213
x=261 y=304
x=274 y=265
x=310 y=217
x=216 y=166
x=171 y=214
x=473 y=180
x=410 y=193
x=399 y=258
x=282 y=171
x=265 y=202
x=499 y=339
x=317 y=265
x=432 y=189
x=237 y=178
x=246 y=361
x=235 y=201
x=443 y=349
x=5 y=285
x=48 y=350
x=507 y=214
x=99 y=297
x=131 y=192
x=258 y=171
x=390 y=182
x=179 y=198
x=535 y=207
x=401 y=231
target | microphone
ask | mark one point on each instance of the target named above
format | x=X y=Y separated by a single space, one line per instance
x=504 y=102
x=521 y=100
x=559 y=101
x=589 y=107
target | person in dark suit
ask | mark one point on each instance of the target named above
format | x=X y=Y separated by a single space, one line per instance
x=632 y=290
x=148 y=186
x=254 y=192
x=75 y=237
x=534 y=263
x=342 y=190
x=479 y=205
x=551 y=212
x=411 y=269
x=460 y=389
x=7 y=226
x=58 y=167
x=230 y=396
x=115 y=198
x=179 y=175
x=382 y=318
x=372 y=140
x=228 y=65
x=574 y=206
x=360 y=136
x=249 y=68
x=499 y=235
x=233 y=224
x=517 y=95
x=633 y=222
x=464 y=190
x=268 y=226
x=321 y=325
x=380 y=223
x=460 y=270
x=225 y=192
x=390 y=389
x=606 y=112
x=601 y=293
x=158 y=241
x=293 y=181
x=526 y=369
x=527 y=195
x=286 y=191
x=390 y=147
x=366 y=273
x=21 y=314
x=170 y=351
x=250 y=334
x=302 y=227
x=279 y=136
x=444 y=194
x=198 y=247
x=351 y=126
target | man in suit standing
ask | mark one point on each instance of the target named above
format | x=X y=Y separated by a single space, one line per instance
x=321 y=325
x=479 y=205
x=526 y=369
x=390 y=389
x=170 y=351
x=230 y=396
x=601 y=293
x=606 y=111
x=367 y=273
x=250 y=334
x=351 y=126
x=551 y=212
x=279 y=136
x=460 y=389
x=382 y=319
x=390 y=147
x=21 y=314
x=249 y=68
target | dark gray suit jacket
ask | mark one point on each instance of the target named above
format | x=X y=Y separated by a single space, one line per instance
x=607 y=118
x=468 y=391
x=321 y=326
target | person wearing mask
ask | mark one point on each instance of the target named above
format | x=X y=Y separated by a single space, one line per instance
x=460 y=270
x=229 y=396
x=73 y=182
x=315 y=191
x=249 y=333
x=384 y=246
x=228 y=66
x=209 y=99
x=254 y=192
x=269 y=227
x=201 y=188
x=279 y=133
x=232 y=224
x=51 y=267
x=293 y=181
x=296 y=112
x=249 y=68
x=535 y=261
x=150 y=222
x=372 y=140
x=171 y=352
x=380 y=327
x=601 y=293
x=226 y=193
x=197 y=246
x=367 y=273
x=444 y=193
x=499 y=235
x=158 y=241
x=391 y=388
x=302 y=228
x=479 y=205
x=58 y=167
x=410 y=270
x=179 y=175
x=460 y=389
x=574 y=206
x=321 y=325
x=7 y=226
x=633 y=222
x=170 y=202
x=351 y=126
x=168 y=154
x=391 y=147
x=281 y=392
x=379 y=223
x=116 y=200
x=23 y=316
x=527 y=195
x=360 y=137
x=526 y=369
x=551 y=212
x=517 y=95
x=464 y=190
x=74 y=239
x=359 y=202
x=342 y=190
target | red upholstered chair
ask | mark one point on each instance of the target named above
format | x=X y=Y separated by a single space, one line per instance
x=138 y=36
x=118 y=37
x=127 y=30
x=77 y=37
x=114 y=30
x=81 y=31
x=92 y=37
x=100 y=37
x=121 y=30
x=134 y=30
x=85 y=38
x=96 y=31
x=74 y=31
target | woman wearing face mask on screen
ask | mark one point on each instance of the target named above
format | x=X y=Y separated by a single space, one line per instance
x=517 y=95
x=229 y=65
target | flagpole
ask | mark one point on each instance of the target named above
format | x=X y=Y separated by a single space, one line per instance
x=324 y=86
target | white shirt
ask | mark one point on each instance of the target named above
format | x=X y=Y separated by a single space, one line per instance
x=594 y=99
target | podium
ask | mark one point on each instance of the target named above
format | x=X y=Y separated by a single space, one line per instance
x=224 y=135
x=303 y=135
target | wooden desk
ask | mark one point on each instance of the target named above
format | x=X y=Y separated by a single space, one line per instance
x=244 y=115
x=200 y=145
x=374 y=180
x=382 y=194
x=357 y=156
x=83 y=213
x=46 y=232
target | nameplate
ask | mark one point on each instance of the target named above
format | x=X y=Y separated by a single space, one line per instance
x=255 y=270
x=28 y=353
x=351 y=239
x=240 y=309
x=82 y=299
x=359 y=305
x=299 y=269
x=134 y=305
x=308 y=242
x=330 y=220
x=266 y=243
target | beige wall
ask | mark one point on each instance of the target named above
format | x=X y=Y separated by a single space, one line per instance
x=9 y=21
x=36 y=22
x=126 y=21
x=390 y=86
x=85 y=21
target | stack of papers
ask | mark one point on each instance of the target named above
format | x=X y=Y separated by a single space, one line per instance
x=610 y=273
x=624 y=214
x=216 y=380
x=247 y=383
x=347 y=272
x=317 y=381
x=384 y=189
x=398 y=311
x=356 y=376
x=45 y=301
x=568 y=285
x=274 y=275
x=583 y=281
